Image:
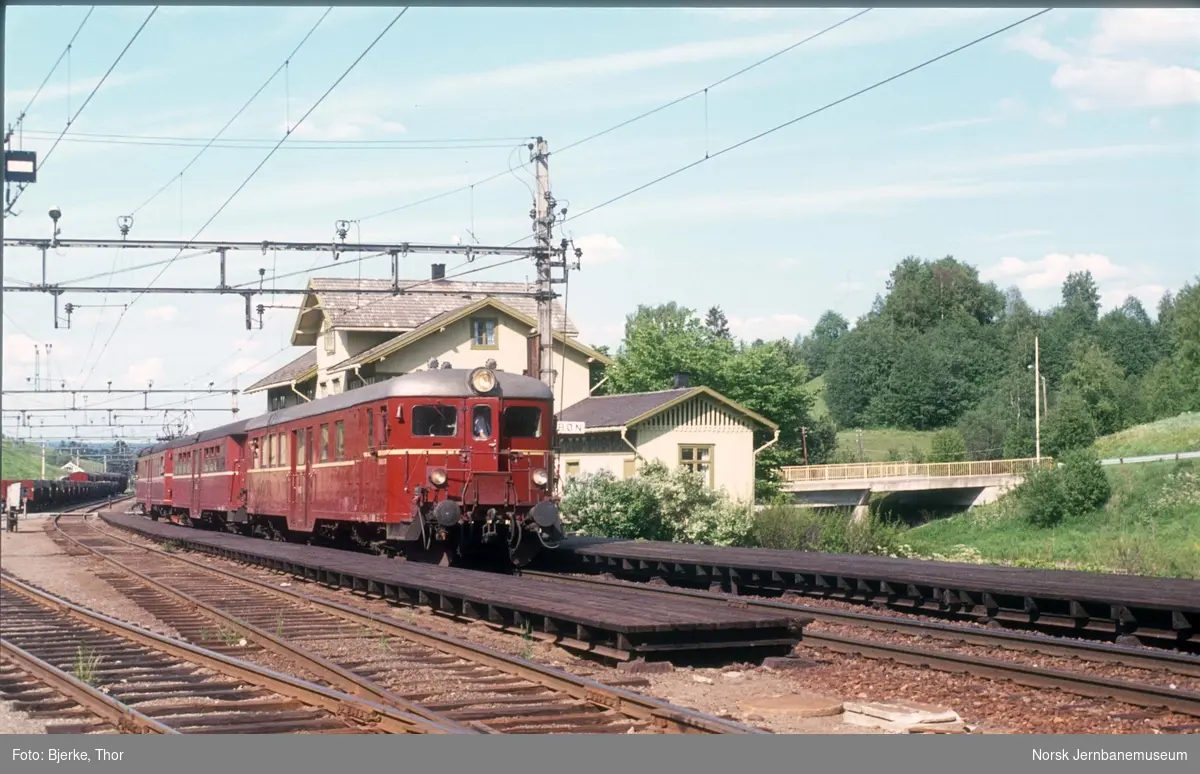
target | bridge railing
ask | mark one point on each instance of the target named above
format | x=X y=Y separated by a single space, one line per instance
x=868 y=470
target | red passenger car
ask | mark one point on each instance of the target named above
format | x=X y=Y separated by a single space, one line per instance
x=439 y=464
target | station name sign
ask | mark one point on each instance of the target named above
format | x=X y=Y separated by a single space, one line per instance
x=571 y=428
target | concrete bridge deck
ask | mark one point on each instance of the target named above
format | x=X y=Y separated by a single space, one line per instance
x=845 y=485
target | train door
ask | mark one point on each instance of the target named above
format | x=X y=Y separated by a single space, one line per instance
x=483 y=440
x=301 y=477
x=196 y=468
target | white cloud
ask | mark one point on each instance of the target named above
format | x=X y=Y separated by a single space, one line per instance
x=1052 y=270
x=848 y=286
x=600 y=248
x=247 y=366
x=1131 y=31
x=1016 y=235
x=144 y=371
x=1128 y=62
x=1148 y=294
x=19 y=348
x=1055 y=118
x=162 y=313
x=1009 y=107
x=343 y=125
x=15 y=100
x=768 y=327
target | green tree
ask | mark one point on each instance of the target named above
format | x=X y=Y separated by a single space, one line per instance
x=1040 y=498
x=859 y=368
x=1081 y=296
x=660 y=342
x=984 y=429
x=1127 y=335
x=948 y=446
x=817 y=347
x=923 y=294
x=1069 y=427
x=1101 y=383
x=717 y=324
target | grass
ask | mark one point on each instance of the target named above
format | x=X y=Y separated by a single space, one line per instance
x=877 y=443
x=24 y=460
x=85 y=665
x=816 y=387
x=1150 y=526
x=1166 y=436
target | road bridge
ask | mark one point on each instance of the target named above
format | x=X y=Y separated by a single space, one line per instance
x=967 y=483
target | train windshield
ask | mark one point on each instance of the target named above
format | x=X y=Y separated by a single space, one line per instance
x=522 y=422
x=441 y=421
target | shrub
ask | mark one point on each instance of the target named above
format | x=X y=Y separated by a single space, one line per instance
x=1041 y=499
x=828 y=530
x=1085 y=487
x=948 y=446
x=658 y=504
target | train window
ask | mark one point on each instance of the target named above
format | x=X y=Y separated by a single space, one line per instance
x=284 y=459
x=481 y=422
x=522 y=422
x=300 y=448
x=370 y=428
x=324 y=443
x=440 y=421
x=272 y=445
x=384 y=430
x=339 y=437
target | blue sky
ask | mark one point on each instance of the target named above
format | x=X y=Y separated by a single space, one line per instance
x=1070 y=142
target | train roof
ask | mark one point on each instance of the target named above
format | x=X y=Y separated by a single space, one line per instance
x=443 y=383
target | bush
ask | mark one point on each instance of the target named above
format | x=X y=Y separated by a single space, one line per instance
x=1040 y=497
x=948 y=446
x=1085 y=487
x=827 y=530
x=658 y=504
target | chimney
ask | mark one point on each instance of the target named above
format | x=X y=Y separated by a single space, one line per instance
x=681 y=381
x=439 y=271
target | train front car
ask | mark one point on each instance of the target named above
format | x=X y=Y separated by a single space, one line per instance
x=480 y=466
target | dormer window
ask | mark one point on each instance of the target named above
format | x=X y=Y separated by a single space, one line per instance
x=483 y=332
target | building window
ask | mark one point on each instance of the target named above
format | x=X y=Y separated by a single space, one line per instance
x=439 y=421
x=522 y=422
x=483 y=333
x=629 y=468
x=324 y=443
x=573 y=469
x=698 y=459
x=339 y=437
x=330 y=340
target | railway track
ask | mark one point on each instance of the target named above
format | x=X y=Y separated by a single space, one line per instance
x=368 y=655
x=1137 y=693
x=100 y=675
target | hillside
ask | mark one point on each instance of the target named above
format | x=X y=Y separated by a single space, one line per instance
x=25 y=461
x=816 y=388
x=1151 y=526
x=1166 y=436
x=878 y=443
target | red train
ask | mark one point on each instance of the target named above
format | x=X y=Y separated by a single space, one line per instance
x=442 y=465
x=74 y=489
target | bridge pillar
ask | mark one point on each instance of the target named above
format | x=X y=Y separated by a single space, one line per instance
x=862 y=510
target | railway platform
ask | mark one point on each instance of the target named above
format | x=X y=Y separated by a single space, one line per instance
x=1164 y=612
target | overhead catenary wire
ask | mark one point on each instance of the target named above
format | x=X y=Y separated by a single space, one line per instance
x=730 y=148
x=629 y=121
x=250 y=177
x=236 y=115
x=53 y=69
x=42 y=162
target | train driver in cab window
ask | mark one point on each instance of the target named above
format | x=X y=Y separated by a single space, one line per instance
x=482 y=423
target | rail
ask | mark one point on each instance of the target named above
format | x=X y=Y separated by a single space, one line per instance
x=871 y=470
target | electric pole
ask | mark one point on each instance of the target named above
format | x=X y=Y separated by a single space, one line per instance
x=1037 y=404
x=543 y=227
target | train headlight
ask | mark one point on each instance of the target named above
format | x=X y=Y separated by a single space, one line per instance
x=540 y=477
x=437 y=477
x=482 y=380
